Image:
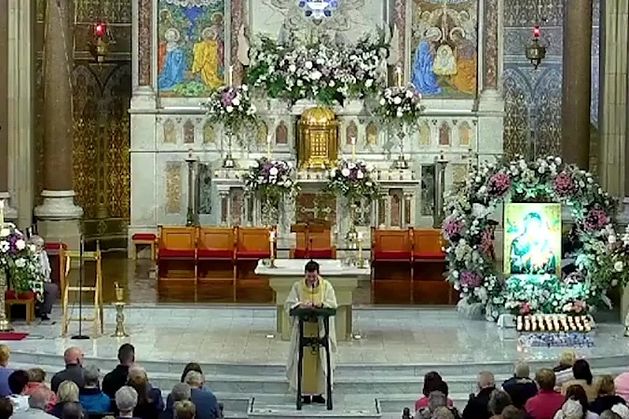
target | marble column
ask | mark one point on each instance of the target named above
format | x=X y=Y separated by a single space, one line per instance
x=58 y=215
x=491 y=12
x=577 y=41
x=21 y=59
x=4 y=101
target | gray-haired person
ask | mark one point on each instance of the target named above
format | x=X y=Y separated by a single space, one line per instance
x=180 y=392
x=51 y=290
x=126 y=401
x=36 y=406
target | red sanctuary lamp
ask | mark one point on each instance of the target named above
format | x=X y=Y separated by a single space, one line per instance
x=535 y=51
x=100 y=44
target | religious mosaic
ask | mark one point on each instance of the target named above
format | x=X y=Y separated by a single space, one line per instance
x=444 y=39
x=191 y=47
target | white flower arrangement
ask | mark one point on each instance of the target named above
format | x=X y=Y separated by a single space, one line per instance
x=399 y=106
x=19 y=261
x=232 y=107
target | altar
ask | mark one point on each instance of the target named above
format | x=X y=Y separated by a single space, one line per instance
x=344 y=279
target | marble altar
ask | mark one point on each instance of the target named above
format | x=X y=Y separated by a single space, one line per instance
x=344 y=279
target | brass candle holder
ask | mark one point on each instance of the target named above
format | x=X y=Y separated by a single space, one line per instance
x=119 y=304
x=360 y=263
x=272 y=238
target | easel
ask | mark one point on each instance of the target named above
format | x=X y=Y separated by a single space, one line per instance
x=307 y=229
x=97 y=289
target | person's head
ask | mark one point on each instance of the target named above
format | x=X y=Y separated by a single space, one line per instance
x=621 y=410
x=512 y=412
x=533 y=224
x=194 y=379
x=72 y=410
x=91 y=375
x=498 y=400
x=521 y=370
x=138 y=379
x=485 y=380
x=442 y=413
x=567 y=358
x=181 y=391
x=184 y=409
x=39 y=398
x=73 y=356
x=431 y=379
x=608 y=414
x=5 y=354
x=126 y=400
x=172 y=35
x=18 y=380
x=190 y=366
x=126 y=354
x=36 y=375
x=572 y=409
x=546 y=379
x=437 y=399
x=577 y=393
x=38 y=242
x=68 y=391
x=581 y=371
x=312 y=272
x=208 y=34
x=6 y=408
x=605 y=385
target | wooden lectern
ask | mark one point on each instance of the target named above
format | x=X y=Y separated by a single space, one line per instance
x=313 y=314
x=310 y=232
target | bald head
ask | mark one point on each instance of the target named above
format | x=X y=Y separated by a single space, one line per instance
x=39 y=398
x=73 y=356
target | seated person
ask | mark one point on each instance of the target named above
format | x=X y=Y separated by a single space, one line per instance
x=50 y=290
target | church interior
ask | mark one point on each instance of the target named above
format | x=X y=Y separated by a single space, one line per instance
x=456 y=168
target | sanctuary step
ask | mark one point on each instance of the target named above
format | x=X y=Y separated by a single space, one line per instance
x=344 y=408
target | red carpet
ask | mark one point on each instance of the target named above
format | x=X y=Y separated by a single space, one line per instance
x=12 y=335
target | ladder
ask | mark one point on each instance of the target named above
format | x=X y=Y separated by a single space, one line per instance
x=73 y=291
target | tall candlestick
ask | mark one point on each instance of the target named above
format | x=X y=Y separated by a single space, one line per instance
x=398 y=76
x=230 y=78
x=272 y=236
x=353 y=142
x=269 y=139
x=1 y=213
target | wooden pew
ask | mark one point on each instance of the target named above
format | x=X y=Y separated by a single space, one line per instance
x=252 y=244
x=216 y=252
x=429 y=266
x=177 y=262
x=391 y=263
x=313 y=245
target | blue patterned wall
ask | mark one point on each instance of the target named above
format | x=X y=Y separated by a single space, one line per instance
x=533 y=97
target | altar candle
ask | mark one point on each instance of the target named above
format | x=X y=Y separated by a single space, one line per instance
x=398 y=76
x=230 y=78
x=353 y=142
x=268 y=145
x=1 y=212
x=271 y=244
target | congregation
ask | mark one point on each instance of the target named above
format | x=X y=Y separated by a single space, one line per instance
x=566 y=391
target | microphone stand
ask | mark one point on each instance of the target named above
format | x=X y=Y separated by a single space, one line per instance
x=80 y=335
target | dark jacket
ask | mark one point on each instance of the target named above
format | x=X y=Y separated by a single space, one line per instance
x=152 y=409
x=115 y=379
x=477 y=406
x=205 y=402
x=520 y=390
x=57 y=410
x=72 y=373
x=94 y=400
x=603 y=403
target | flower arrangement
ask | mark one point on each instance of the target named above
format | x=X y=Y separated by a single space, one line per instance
x=271 y=180
x=232 y=107
x=316 y=70
x=19 y=261
x=600 y=262
x=399 y=106
x=353 y=180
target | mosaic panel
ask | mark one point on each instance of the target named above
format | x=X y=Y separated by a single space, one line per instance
x=173 y=187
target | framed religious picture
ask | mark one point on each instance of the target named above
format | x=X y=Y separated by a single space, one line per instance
x=532 y=239
x=193 y=47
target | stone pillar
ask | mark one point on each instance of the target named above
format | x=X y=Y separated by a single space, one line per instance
x=59 y=217
x=613 y=116
x=4 y=101
x=491 y=12
x=20 y=109
x=577 y=41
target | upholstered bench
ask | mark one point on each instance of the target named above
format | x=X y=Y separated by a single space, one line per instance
x=144 y=239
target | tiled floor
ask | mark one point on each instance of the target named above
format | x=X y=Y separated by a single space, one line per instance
x=238 y=334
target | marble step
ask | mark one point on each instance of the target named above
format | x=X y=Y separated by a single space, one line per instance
x=344 y=408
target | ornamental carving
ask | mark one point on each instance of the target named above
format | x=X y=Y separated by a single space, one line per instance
x=145 y=14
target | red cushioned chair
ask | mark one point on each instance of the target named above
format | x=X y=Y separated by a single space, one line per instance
x=177 y=243
x=428 y=245
x=312 y=245
x=216 y=243
x=252 y=243
x=144 y=239
x=391 y=245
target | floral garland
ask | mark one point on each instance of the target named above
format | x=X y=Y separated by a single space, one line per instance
x=19 y=261
x=468 y=229
x=271 y=180
x=317 y=71
x=353 y=180
x=232 y=107
x=399 y=106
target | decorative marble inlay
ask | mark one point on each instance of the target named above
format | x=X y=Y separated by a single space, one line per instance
x=173 y=187
x=400 y=22
x=170 y=132
x=444 y=133
x=490 y=45
x=427 y=189
x=396 y=208
x=188 y=132
x=205 y=188
x=237 y=20
x=145 y=18
x=459 y=172
x=262 y=133
x=237 y=201
x=351 y=132
x=209 y=133
x=281 y=134
x=465 y=133
x=424 y=134
x=372 y=133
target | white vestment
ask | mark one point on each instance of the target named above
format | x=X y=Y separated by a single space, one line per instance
x=299 y=294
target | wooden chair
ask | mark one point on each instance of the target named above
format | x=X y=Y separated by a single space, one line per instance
x=428 y=245
x=252 y=244
x=177 y=248
x=429 y=285
x=315 y=245
x=391 y=273
x=216 y=243
x=216 y=252
x=143 y=239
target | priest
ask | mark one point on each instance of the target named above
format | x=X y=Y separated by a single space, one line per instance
x=312 y=291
